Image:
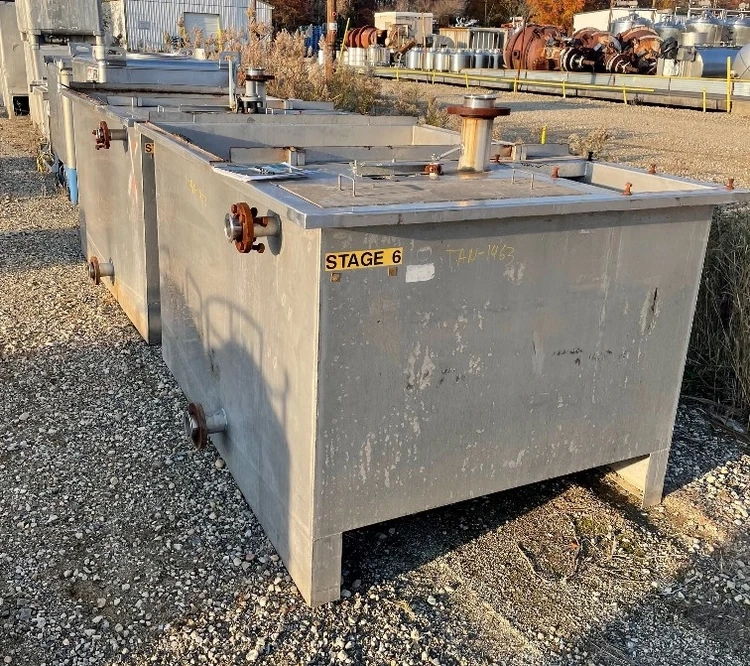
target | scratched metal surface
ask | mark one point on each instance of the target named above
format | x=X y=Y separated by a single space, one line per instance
x=114 y=224
x=502 y=353
x=417 y=189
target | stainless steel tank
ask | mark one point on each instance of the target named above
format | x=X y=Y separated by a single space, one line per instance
x=708 y=62
x=443 y=60
x=632 y=20
x=707 y=23
x=461 y=59
x=415 y=58
x=74 y=17
x=482 y=59
x=669 y=27
x=696 y=38
x=428 y=62
x=377 y=55
x=741 y=31
x=521 y=334
x=355 y=57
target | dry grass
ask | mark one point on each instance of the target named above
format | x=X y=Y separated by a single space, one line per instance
x=718 y=365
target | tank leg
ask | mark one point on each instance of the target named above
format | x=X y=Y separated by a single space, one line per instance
x=645 y=475
x=321 y=583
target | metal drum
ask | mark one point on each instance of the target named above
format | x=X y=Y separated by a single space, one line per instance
x=482 y=60
x=415 y=58
x=497 y=59
x=377 y=55
x=356 y=57
x=428 y=59
x=443 y=60
x=461 y=59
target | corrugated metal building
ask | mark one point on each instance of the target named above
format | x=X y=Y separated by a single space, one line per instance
x=149 y=22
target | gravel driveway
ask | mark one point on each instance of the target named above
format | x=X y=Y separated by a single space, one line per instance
x=119 y=544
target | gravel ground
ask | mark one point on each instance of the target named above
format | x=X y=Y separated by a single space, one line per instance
x=119 y=544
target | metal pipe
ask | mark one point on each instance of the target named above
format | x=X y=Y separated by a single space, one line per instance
x=198 y=426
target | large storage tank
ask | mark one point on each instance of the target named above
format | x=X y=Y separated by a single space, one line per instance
x=741 y=31
x=711 y=29
x=114 y=174
x=669 y=27
x=632 y=20
x=708 y=62
x=418 y=336
x=61 y=17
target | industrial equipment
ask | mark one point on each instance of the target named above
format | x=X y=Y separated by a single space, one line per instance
x=14 y=90
x=111 y=169
x=365 y=338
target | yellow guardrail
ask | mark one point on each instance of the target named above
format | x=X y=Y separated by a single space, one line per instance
x=515 y=81
x=563 y=84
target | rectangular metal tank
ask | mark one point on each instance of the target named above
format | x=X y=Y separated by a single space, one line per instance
x=115 y=183
x=13 y=86
x=410 y=341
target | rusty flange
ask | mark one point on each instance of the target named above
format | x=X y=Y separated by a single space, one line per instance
x=247 y=218
x=102 y=136
x=470 y=112
x=195 y=425
x=94 y=273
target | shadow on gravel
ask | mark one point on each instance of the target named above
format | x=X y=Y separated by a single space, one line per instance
x=38 y=248
x=19 y=178
x=421 y=538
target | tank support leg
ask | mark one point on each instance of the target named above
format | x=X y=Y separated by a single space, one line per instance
x=644 y=475
x=322 y=582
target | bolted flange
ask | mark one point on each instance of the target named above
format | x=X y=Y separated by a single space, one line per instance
x=102 y=136
x=242 y=226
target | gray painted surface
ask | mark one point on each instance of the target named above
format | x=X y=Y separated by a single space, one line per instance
x=12 y=60
x=521 y=339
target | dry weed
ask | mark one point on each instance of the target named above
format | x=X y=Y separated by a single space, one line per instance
x=718 y=364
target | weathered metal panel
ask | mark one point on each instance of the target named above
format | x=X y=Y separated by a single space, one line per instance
x=149 y=22
x=63 y=17
x=468 y=373
x=12 y=60
x=114 y=224
x=240 y=334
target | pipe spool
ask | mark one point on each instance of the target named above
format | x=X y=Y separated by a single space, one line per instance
x=104 y=136
x=477 y=113
x=243 y=227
